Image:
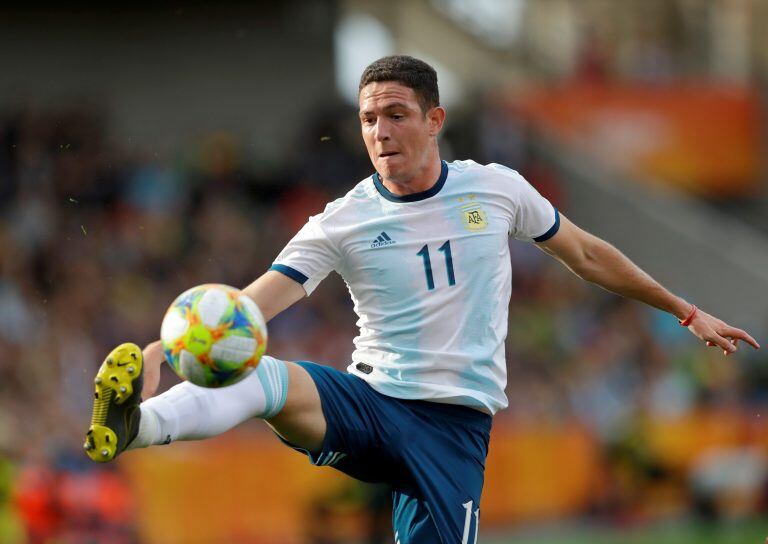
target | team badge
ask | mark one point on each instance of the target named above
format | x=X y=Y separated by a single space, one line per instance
x=474 y=217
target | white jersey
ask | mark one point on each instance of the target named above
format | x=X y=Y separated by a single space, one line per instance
x=430 y=278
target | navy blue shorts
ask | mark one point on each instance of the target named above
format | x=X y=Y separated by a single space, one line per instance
x=431 y=454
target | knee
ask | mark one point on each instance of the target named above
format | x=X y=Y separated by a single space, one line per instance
x=303 y=397
x=301 y=421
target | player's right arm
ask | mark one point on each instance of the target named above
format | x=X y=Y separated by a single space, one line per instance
x=273 y=292
x=303 y=263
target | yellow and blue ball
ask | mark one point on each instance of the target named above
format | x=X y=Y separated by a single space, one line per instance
x=213 y=335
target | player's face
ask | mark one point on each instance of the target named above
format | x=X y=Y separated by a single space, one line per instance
x=399 y=136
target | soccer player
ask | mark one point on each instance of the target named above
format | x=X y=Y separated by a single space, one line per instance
x=423 y=246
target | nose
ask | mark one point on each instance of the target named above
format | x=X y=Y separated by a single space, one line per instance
x=382 y=130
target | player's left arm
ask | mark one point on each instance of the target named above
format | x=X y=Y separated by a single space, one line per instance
x=597 y=261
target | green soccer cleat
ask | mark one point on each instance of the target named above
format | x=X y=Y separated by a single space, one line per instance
x=116 y=413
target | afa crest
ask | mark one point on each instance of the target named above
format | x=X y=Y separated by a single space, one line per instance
x=474 y=217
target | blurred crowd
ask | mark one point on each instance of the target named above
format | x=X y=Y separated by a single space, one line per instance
x=98 y=238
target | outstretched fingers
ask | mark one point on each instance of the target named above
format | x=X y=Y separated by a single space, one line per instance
x=728 y=340
x=738 y=334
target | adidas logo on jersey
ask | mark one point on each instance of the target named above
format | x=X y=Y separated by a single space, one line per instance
x=382 y=240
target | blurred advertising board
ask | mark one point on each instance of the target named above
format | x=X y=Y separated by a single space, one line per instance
x=246 y=487
x=702 y=138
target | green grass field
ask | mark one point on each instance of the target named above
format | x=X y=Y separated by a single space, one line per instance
x=748 y=532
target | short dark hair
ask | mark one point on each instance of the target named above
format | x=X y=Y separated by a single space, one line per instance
x=411 y=72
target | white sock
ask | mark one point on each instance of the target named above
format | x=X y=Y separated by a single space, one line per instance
x=189 y=412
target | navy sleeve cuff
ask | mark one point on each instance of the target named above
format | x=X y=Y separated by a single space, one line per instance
x=292 y=273
x=552 y=231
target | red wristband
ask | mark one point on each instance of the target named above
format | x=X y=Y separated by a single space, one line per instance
x=687 y=321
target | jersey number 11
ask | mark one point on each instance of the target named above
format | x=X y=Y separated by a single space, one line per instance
x=446 y=250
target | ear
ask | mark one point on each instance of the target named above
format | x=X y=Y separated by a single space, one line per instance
x=436 y=118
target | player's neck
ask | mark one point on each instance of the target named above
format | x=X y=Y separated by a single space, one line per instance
x=422 y=181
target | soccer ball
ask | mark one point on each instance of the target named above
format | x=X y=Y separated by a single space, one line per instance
x=213 y=335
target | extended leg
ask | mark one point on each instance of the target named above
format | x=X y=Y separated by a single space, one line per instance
x=278 y=391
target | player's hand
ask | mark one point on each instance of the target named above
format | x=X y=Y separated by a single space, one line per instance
x=153 y=358
x=716 y=332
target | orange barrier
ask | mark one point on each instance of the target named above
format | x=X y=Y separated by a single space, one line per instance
x=677 y=442
x=240 y=487
x=538 y=471
x=246 y=487
x=702 y=138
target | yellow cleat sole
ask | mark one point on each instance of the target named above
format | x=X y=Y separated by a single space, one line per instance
x=113 y=385
x=100 y=443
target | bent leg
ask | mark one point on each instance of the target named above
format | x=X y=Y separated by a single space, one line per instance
x=448 y=476
x=301 y=421
x=276 y=388
x=411 y=520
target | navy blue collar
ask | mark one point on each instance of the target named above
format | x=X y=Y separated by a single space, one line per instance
x=432 y=191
